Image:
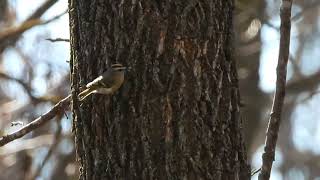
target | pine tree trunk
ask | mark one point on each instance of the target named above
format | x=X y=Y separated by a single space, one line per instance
x=177 y=114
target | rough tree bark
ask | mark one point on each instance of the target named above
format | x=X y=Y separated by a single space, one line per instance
x=177 y=114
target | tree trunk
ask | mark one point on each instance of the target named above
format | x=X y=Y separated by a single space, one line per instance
x=177 y=114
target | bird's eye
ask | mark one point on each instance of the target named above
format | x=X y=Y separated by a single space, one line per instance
x=120 y=69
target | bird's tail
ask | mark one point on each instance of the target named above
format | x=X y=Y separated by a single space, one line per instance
x=84 y=94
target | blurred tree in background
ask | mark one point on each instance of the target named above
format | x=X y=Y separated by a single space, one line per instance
x=34 y=76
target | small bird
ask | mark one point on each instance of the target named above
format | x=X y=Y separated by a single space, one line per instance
x=107 y=83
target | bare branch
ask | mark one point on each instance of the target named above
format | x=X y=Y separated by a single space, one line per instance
x=28 y=89
x=10 y=37
x=310 y=96
x=305 y=9
x=275 y=116
x=26 y=86
x=304 y=84
x=60 y=107
x=296 y=16
x=42 y=9
x=16 y=31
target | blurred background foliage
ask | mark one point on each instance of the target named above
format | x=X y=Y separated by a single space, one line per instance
x=34 y=76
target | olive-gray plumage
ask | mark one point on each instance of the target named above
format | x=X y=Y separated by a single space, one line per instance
x=107 y=83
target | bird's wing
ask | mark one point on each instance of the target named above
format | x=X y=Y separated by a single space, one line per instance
x=99 y=81
x=95 y=82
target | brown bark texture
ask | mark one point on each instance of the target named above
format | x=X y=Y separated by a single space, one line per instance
x=177 y=114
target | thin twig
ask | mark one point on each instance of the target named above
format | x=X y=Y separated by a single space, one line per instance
x=310 y=95
x=58 y=40
x=54 y=18
x=53 y=147
x=26 y=144
x=60 y=107
x=275 y=116
x=255 y=171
